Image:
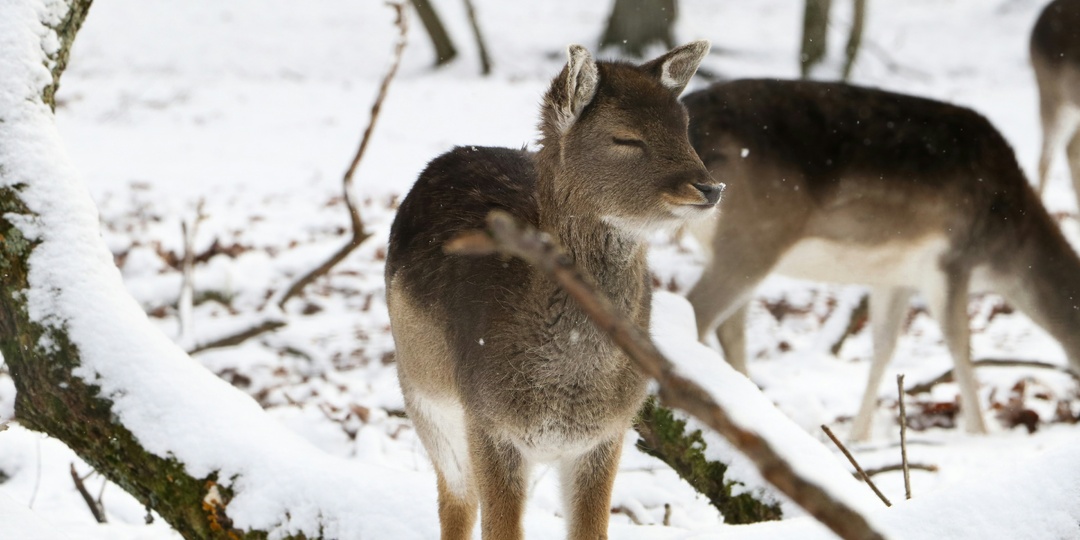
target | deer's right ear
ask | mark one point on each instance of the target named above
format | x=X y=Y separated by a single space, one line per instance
x=578 y=83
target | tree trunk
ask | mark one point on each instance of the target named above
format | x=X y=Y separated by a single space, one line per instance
x=858 y=22
x=68 y=331
x=815 y=32
x=440 y=39
x=635 y=24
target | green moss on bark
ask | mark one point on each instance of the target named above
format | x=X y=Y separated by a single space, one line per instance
x=65 y=31
x=49 y=398
x=664 y=436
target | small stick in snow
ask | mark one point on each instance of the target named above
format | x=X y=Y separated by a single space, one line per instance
x=903 y=436
x=95 y=507
x=899 y=467
x=510 y=237
x=185 y=305
x=862 y=474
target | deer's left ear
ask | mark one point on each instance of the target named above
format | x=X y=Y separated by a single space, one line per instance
x=675 y=68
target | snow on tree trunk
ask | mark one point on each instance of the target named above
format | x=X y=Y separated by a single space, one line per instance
x=90 y=370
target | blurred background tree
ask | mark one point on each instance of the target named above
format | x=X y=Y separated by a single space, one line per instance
x=816 y=24
x=635 y=24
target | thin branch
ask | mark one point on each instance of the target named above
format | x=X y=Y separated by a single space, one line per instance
x=359 y=235
x=859 y=470
x=239 y=337
x=508 y=237
x=99 y=513
x=898 y=467
x=858 y=20
x=988 y=362
x=185 y=303
x=903 y=435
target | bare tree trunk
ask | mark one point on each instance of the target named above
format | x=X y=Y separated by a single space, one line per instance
x=635 y=24
x=444 y=46
x=49 y=398
x=40 y=354
x=815 y=32
x=858 y=22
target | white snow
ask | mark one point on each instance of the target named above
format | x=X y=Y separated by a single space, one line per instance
x=255 y=107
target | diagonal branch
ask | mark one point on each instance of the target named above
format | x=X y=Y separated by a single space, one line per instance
x=509 y=237
x=359 y=234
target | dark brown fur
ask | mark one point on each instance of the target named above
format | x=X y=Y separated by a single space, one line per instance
x=873 y=170
x=533 y=378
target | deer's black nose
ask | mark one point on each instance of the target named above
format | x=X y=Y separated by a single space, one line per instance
x=710 y=191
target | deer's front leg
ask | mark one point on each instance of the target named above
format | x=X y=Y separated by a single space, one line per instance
x=586 y=482
x=502 y=476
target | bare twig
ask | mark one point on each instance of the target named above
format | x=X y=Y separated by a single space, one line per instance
x=239 y=337
x=988 y=362
x=898 y=467
x=858 y=20
x=185 y=303
x=508 y=237
x=903 y=436
x=861 y=473
x=625 y=510
x=359 y=235
x=95 y=508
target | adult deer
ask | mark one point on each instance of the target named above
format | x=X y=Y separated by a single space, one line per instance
x=499 y=368
x=853 y=185
x=1055 y=55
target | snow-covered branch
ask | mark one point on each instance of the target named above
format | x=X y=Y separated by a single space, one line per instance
x=91 y=370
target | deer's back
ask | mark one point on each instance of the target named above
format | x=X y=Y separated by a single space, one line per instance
x=860 y=164
x=1056 y=35
x=454 y=194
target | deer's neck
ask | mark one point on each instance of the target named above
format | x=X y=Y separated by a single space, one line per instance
x=614 y=258
x=1043 y=280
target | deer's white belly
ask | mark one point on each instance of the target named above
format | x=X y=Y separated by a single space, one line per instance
x=898 y=263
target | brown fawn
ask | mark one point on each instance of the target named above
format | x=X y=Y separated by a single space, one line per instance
x=499 y=368
x=1055 y=56
x=838 y=183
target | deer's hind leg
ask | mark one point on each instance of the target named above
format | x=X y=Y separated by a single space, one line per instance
x=888 y=307
x=948 y=303
x=502 y=474
x=586 y=483
x=440 y=425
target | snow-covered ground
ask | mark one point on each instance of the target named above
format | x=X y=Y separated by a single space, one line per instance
x=251 y=109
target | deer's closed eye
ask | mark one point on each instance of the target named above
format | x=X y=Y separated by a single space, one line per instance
x=629 y=141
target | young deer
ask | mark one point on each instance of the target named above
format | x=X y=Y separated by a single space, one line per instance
x=499 y=368
x=853 y=185
x=1055 y=55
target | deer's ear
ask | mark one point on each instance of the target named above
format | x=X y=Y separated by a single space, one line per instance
x=675 y=68
x=578 y=83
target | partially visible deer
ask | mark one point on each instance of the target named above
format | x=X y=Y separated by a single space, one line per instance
x=499 y=368
x=1055 y=55
x=838 y=183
